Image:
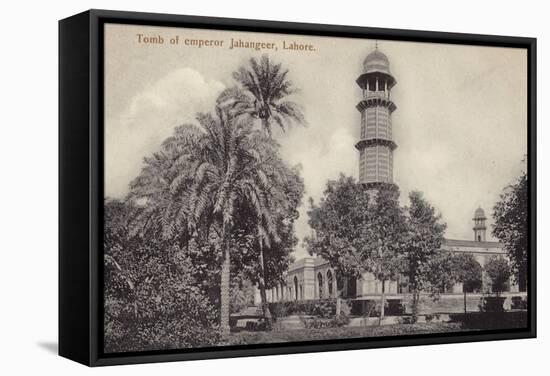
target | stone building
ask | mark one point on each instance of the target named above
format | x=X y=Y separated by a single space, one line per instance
x=314 y=278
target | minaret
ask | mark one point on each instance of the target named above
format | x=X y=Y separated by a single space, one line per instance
x=479 y=225
x=375 y=143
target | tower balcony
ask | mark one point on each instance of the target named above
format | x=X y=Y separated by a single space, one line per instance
x=365 y=142
x=371 y=100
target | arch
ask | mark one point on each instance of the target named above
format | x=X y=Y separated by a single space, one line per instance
x=320 y=285
x=351 y=287
x=330 y=283
x=296 y=288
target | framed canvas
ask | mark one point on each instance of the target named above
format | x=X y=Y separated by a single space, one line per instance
x=236 y=187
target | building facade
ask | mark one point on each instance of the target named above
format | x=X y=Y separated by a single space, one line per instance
x=314 y=278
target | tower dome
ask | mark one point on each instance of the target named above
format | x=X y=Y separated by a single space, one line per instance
x=376 y=61
x=479 y=214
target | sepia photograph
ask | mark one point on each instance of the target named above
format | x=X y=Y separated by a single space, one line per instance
x=267 y=188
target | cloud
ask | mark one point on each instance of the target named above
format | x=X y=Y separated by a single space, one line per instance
x=149 y=118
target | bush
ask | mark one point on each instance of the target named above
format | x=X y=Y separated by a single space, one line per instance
x=371 y=308
x=151 y=300
x=395 y=307
x=492 y=304
x=367 y=308
x=314 y=307
x=519 y=303
x=320 y=323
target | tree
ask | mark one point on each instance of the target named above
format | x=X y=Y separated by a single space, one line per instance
x=424 y=237
x=385 y=238
x=269 y=86
x=263 y=260
x=336 y=220
x=151 y=300
x=264 y=97
x=204 y=174
x=440 y=272
x=511 y=214
x=360 y=230
x=498 y=271
x=468 y=272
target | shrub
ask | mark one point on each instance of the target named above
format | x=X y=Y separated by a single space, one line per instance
x=313 y=307
x=519 y=303
x=367 y=308
x=151 y=301
x=492 y=304
x=320 y=323
x=405 y=320
x=371 y=308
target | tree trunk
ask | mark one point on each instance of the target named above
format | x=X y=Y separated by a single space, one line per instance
x=265 y=306
x=224 y=291
x=465 y=311
x=266 y=128
x=383 y=300
x=416 y=298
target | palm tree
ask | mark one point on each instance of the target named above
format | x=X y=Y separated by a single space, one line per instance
x=267 y=88
x=268 y=84
x=202 y=174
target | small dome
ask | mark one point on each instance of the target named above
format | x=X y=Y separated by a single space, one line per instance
x=479 y=214
x=376 y=61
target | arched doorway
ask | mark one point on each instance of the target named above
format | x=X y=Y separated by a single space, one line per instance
x=320 y=283
x=351 y=287
x=330 y=283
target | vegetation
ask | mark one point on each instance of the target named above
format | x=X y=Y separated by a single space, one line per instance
x=312 y=334
x=269 y=87
x=468 y=272
x=263 y=94
x=223 y=187
x=360 y=231
x=151 y=299
x=195 y=226
x=423 y=241
x=323 y=308
x=499 y=273
x=511 y=215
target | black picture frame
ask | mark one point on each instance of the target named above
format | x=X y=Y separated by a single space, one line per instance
x=81 y=184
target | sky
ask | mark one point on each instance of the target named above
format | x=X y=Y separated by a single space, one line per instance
x=460 y=123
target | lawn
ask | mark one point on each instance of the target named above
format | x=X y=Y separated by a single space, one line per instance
x=242 y=338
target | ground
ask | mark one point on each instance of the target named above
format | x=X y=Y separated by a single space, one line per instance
x=457 y=323
x=297 y=335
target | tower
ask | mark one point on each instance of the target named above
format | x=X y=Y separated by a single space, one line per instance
x=376 y=143
x=479 y=225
